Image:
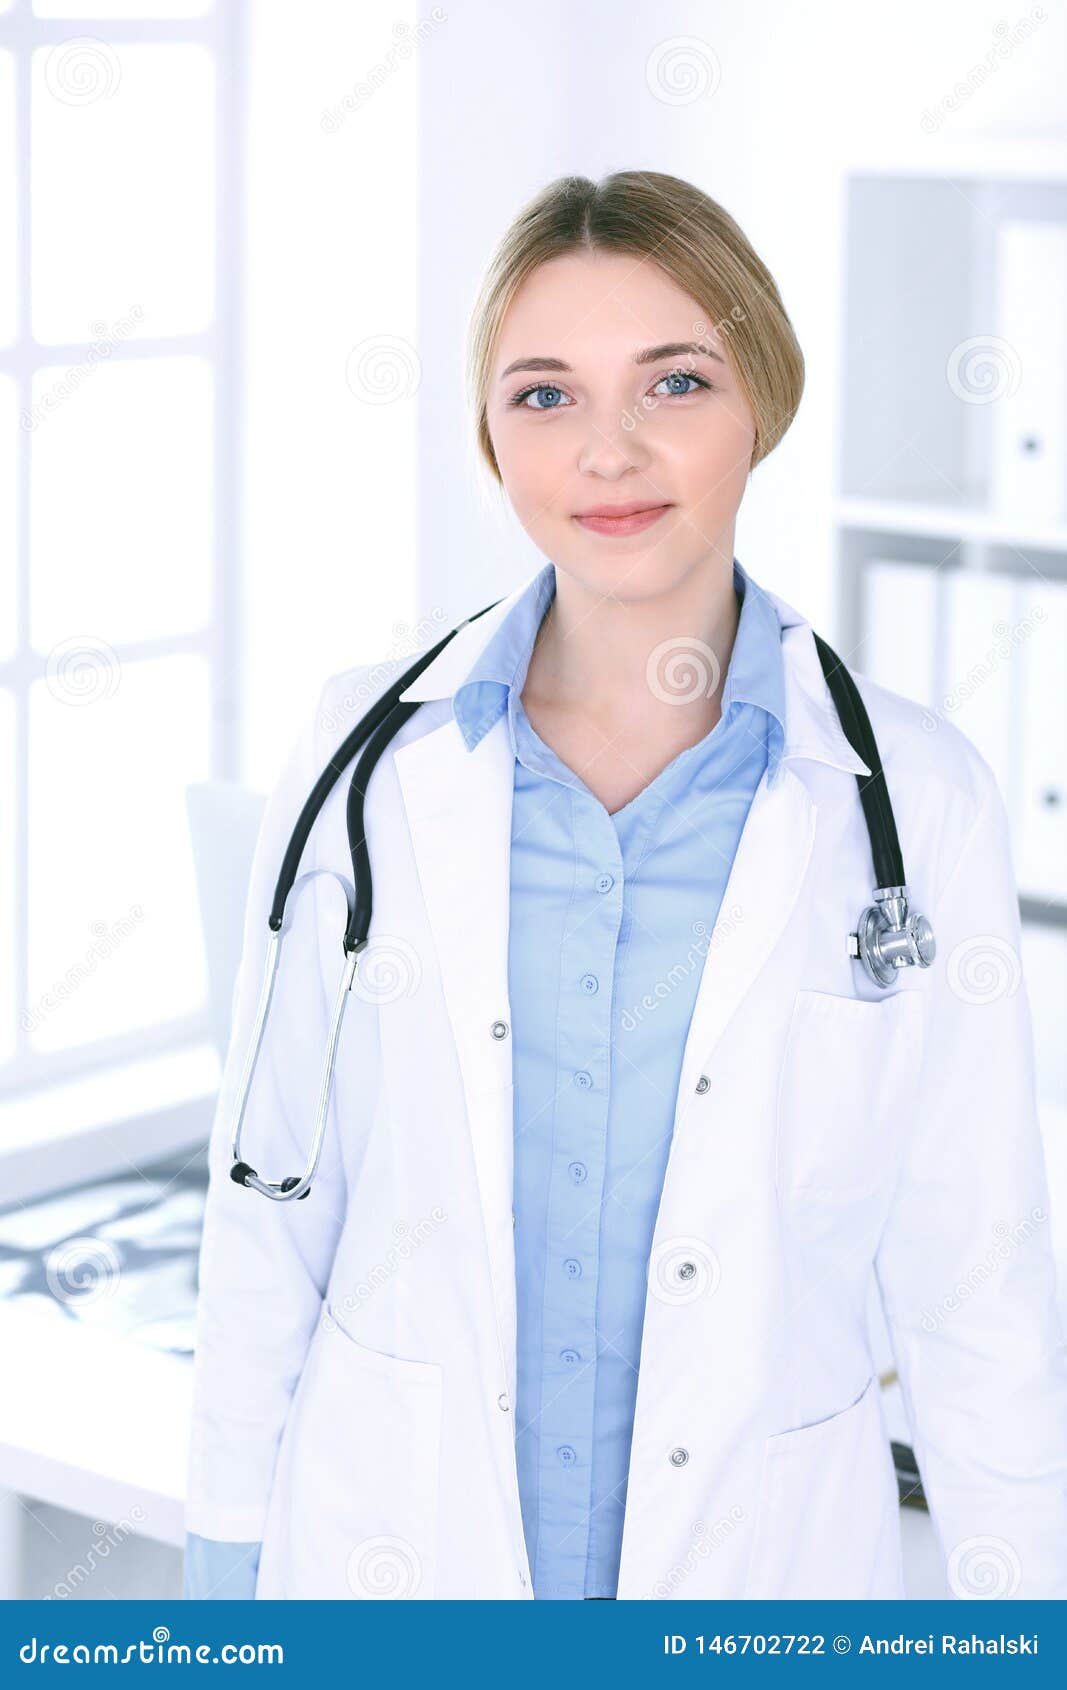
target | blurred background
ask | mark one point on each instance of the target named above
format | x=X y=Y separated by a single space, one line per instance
x=239 y=244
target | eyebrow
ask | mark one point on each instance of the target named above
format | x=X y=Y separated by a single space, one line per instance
x=648 y=355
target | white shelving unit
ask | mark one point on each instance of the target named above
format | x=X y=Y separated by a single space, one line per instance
x=951 y=582
x=951 y=509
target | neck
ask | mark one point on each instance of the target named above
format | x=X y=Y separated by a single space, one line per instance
x=627 y=662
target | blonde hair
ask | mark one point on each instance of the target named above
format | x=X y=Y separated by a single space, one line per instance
x=693 y=240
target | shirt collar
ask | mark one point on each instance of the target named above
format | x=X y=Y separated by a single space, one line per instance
x=755 y=674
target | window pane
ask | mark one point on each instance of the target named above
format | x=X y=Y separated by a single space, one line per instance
x=123 y=190
x=9 y=444
x=113 y=918
x=7 y=877
x=8 y=259
x=121 y=490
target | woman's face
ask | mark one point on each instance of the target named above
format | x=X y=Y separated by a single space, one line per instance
x=582 y=415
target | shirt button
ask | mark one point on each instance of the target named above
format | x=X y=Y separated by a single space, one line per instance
x=572 y=1268
x=589 y=983
x=569 y=1356
x=604 y=882
x=566 y=1455
x=703 y=1084
x=577 y=1171
x=583 y=1078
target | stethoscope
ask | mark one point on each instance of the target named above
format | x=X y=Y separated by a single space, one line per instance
x=888 y=937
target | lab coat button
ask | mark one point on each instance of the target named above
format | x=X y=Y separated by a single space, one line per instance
x=679 y=1457
x=703 y=1084
x=502 y=1401
x=686 y=1270
x=499 y=1029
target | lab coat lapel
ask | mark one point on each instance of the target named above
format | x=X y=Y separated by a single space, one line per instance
x=458 y=805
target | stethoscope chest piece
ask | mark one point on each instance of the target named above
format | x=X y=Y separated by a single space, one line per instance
x=889 y=937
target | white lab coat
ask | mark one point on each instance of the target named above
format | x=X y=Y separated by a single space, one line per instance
x=355 y=1370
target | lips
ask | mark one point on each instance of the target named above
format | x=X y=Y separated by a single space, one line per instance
x=621 y=519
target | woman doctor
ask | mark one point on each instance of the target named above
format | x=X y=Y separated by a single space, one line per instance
x=577 y=1304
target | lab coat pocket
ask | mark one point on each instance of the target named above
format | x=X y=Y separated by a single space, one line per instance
x=846 y=1092
x=359 y=1480
x=827 y=1523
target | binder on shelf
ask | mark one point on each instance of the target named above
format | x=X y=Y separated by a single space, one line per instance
x=980 y=666
x=1041 y=865
x=900 y=624
x=1028 y=371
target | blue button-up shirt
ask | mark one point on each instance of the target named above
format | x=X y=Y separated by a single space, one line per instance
x=610 y=920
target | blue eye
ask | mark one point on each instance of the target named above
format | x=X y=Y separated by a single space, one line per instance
x=541 y=387
x=682 y=375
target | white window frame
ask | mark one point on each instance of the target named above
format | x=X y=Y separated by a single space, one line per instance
x=221 y=30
